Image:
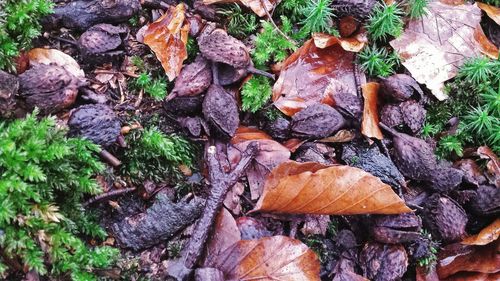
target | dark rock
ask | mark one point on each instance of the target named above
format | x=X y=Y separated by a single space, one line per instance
x=279 y=128
x=486 y=201
x=82 y=14
x=9 y=86
x=369 y=158
x=251 y=228
x=360 y=9
x=317 y=121
x=188 y=105
x=400 y=87
x=101 y=43
x=48 y=87
x=96 y=122
x=381 y=262
x=413 y=114
x=444 y=218
x=391 y=115
x=160 y=222
x=221 y=111
x=394 y=229
x=194 y=79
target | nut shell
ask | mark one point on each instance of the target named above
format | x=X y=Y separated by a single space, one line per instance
x=317 y=121
x=381 y=262
x=101 y=42
x=413 y=114
x=218 y=46
x=96 y=122
x=194 y=79
x=400 y=87
x=444 y=218
x=221 y=111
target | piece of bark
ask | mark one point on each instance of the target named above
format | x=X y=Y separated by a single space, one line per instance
x=82 y=14
x=160 y=222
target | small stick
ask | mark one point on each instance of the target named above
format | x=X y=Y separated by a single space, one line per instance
x=108 y=195
x=274 y=24
x=254 y=70
x=110 y=158
x=69 y=41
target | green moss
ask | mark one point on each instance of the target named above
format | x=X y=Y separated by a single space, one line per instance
x=239 y=23
x=255 y=93
x=270 y=45
x=384 y=21
x=377 y=61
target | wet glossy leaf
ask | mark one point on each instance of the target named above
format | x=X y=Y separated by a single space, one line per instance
x=167 y=37
x=269 y=258
x=312 y=75
x=486 y=236
x=224 y=235
x=434 y=47
x=352 y=44
x=369 y=126
x=312 y=188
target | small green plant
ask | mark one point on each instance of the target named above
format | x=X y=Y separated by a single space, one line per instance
x=385 y=20
x=44 y=179
x=479 y=70
x=155 y=156
x=430 y=130
x=495 y=3
x=430 y=259
x=255 y=93
x=416 y=8
x=377 y=61
x=450 y=144
x=155 y=87
x=19 y=25
x=294 y=9
x=271 y=45
x=239 y=23
x=318 y=17
x=272 y=113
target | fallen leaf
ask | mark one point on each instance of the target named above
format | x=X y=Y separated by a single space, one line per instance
x=492 y=11
x=48 y=56
x=311 y=188
x=312 y=75
x=486 y=236
x=456 y=258
x=249 y=133
x=434 y=47
x=493 y=165
x=167 y=37
x=294 y=144
x=269 y=258
x=474 y=276
x=352 y=44
x=369 y=125
x=341 y=136
x=259 y=7
x=232 y=200
x=225 y=234
x=315 y=224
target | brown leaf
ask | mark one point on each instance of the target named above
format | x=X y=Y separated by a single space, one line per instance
x=341 y=136
x=311 y=188
x=434 y=47
x=167 y=37
x=464 y=258
x=232 y=200
x=493 y=165
x=369 y=126
x=259 y=7
x=48 y=56
x=492 y=11
x=249 y=133
x=269 y=258
x=224 y=235
x=474 y=276
x=315 y=224
x=486 y=236
x=352 y=44
x=312 y=75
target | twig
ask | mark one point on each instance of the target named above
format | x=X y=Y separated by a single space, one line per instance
x=110 y=158
x=69 y=41
x=139 y=99
x=275 y=26
x=254 y=70
x=108 y=195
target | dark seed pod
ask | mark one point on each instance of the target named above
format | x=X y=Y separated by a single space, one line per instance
x=391 y=115
x=317 y=121
x=315 y=152
x=381 y=262
x=218 y=46
x=194 y=125
x=400 y=87
x=229 y=75
x=349 y=103
x=96 y=122
x=486 y=201
x=279 y=128
x=359 y=9
x=444 y=218
x=48 y=87
x=101 y=43
x=194 y=79
x=9 y=86
x=413 y=114
x=187 y=105
x=394 y=229
x=444 y=179
x=221 y=111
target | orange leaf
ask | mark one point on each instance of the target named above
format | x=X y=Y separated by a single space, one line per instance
x=224 y=235
x=269 y=258
x=352 y=44
x=312 y=188
x=486 y=236
x=248 y=133
x=312 y=75
x=369 y=125
x=167 y=37
x=48 y=56
x=492 y=11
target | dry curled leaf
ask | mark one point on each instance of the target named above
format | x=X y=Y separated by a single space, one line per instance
x=486 y=236
x=312 y=75
x=493 y=165
x=167 y=37
x=369 y=126
x=47 y=56
x=259 y=7
x=311 y=188
x=434 y=47
x=269 y=258
x=492 y=11
x=224 y=235
x=352 y=44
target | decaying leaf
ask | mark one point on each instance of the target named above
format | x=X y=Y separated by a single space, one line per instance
x=492 y=11
x=493 y=165
x=259 y=7
x=312 y=75
x=47 y=56
x=167 y=37
x=311 y=188
x=352 y=44
x=224 y=235
x=369 y=126
x=435 y=46
x=486 y=236
x=269 y=258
